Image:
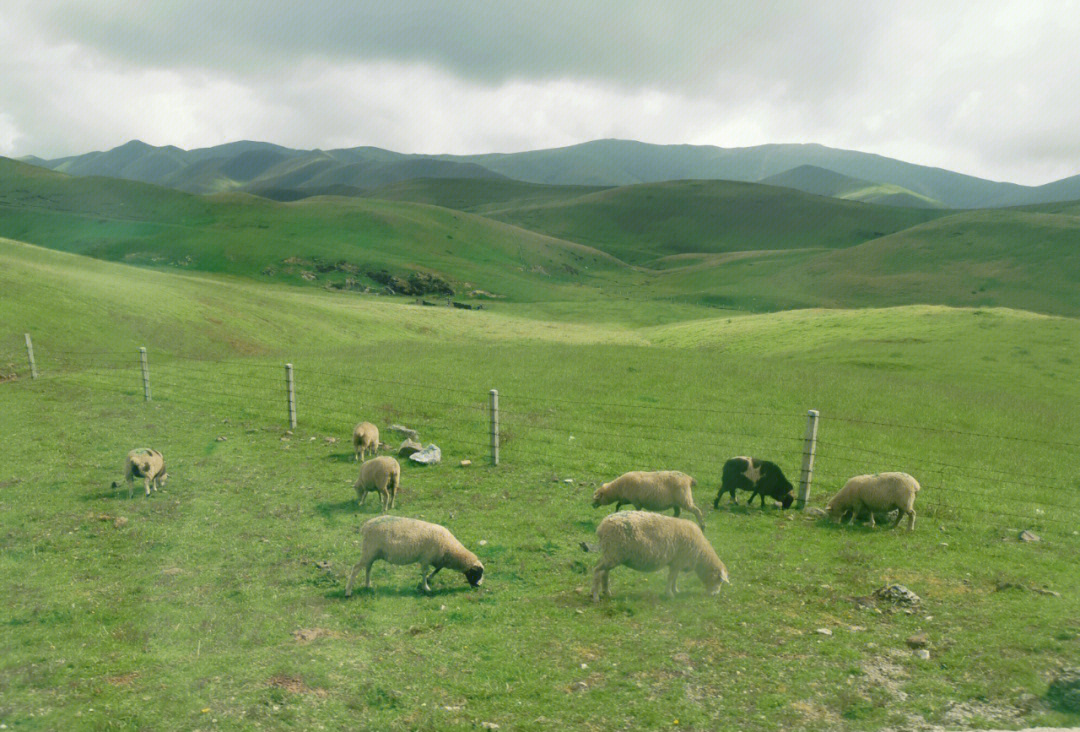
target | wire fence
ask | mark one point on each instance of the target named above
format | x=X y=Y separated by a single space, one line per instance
x=597 y=440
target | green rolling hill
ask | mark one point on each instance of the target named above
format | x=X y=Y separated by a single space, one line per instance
x=327 y=240
x=251 y=166
x=822 y=182
x=642 y=223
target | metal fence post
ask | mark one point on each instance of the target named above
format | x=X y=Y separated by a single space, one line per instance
x=30 y=356
x=809 y=450
x=292 y=395
x=145 y=374
x=494 y=426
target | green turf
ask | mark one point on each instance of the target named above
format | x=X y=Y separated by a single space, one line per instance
x=641 y=223
x=209 y=608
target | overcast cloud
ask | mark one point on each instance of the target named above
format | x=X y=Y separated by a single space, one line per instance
x=988 y=88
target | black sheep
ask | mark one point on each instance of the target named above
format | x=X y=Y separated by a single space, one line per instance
x=761 y=477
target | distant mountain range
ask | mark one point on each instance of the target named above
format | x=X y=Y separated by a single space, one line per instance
x=280 y=172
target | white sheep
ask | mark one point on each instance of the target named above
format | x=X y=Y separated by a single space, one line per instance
x=400 y=540
x=147 y=464
x=382 y=474
x=878 y=492
x=365 y=436
x=647 y=542
x=656 y=491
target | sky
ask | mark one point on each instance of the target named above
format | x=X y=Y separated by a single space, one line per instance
x=988 y=88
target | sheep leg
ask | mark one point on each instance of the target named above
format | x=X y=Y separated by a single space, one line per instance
x=899 y=515
x=384 y=496
x=618 y=505
x=672 y=580
x=356 y=454
x=424 y=587
x=873 y=523
x=146 y=485
x=676 y=514
x=131 y=486
x=697 y=514
x=352 y=577
x=393 y=495
x=361 y=496
x=600 y=580
x=762 y=495
x=910 y=520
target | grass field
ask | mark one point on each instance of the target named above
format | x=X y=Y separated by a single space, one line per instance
x=218 y=603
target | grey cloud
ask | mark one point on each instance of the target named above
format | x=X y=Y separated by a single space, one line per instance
x=985 y=87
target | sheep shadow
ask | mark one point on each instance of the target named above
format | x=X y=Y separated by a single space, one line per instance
x=407 y=590
x=329 y=510
x=117 y=494
x=342 y=457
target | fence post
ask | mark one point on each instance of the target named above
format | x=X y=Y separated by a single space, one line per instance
x=494 y=426
x=30 y=356
x=292 y=395
x=145 y=374
x=809 y=450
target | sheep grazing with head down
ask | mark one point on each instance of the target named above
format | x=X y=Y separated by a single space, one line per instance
x=880 y=492
x=760 y=477
x=147 y=464
x=382 y=474
x=653 y=491
x=400 y=540
x=647 y=542
x=365 y=436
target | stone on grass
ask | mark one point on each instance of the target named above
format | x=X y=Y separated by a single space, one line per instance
x=897 y=594
x=823 y=631
x=815 y=511
x=922 y=654
x=410 y=433
x=430 y=455
x=1029 y=536
x=466 y=463
x=409 y=447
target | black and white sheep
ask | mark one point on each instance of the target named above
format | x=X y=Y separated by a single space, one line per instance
x=760 y=477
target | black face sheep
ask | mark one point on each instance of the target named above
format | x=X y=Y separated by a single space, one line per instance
x=146 y=464
x=656 y=491
x=880 y=492
x=760 y=477
x=382 y=474
x=647 y=542
x=400 y=540
x=365 y=437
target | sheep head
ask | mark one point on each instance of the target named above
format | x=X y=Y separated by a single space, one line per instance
x=713 y=577
x=787 y=500
x=475 y=574
x=601 y=497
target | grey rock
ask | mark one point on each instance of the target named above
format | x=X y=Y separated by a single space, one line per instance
x=923 y=654
x=815 y=511
x=410 y=433
x=897 y=594
x=409 y=447
x=1029 y=536
x=430 y=455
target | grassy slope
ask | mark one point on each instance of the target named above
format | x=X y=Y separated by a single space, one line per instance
x=641 y=223
x=194 y=602
x=1010 y=258
x=823 y=182
x=243 y=235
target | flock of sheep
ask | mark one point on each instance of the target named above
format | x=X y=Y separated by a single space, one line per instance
x=642 y=539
